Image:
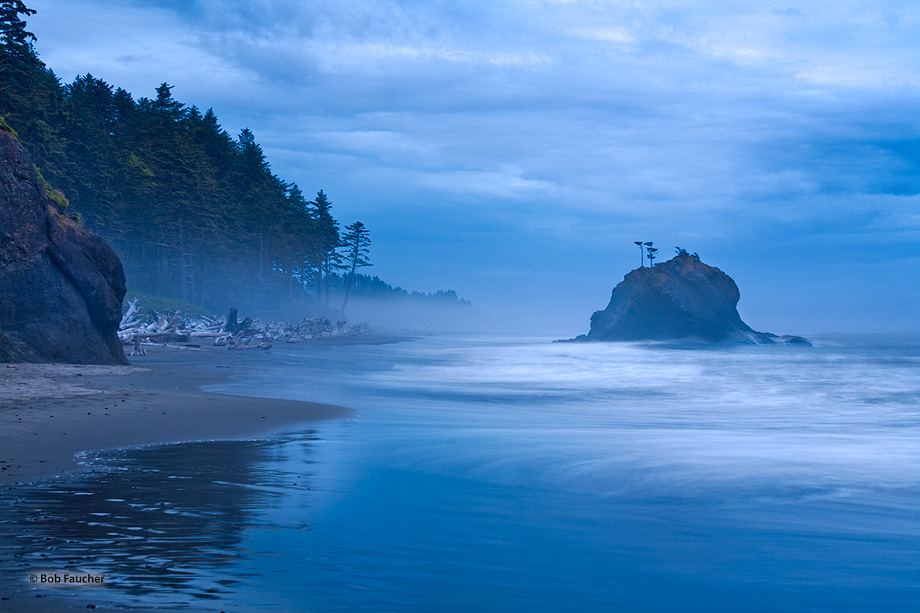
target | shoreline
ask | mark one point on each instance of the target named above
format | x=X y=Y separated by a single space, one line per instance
x=51 y=412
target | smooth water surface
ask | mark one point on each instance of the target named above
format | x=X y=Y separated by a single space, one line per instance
x=484 y=473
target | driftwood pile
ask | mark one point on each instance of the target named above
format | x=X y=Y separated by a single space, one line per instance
x=139 y=327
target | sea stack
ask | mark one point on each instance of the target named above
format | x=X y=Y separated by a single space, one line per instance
x=682 y=299
x=61 y=287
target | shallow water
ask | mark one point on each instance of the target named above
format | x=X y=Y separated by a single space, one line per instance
x=511 y=473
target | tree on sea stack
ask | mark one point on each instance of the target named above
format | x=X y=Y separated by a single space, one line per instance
x=356 y=242
x=682 y=300
x=651 y=253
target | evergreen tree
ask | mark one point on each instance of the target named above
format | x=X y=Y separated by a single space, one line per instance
x=328 y=242
x=298 y=246
x=651 y=251
x=88 y=133
x=641 y=254
x=181 y=213
x=15 y=40
x=258 y=200
x=357 y=248
x=30 y=95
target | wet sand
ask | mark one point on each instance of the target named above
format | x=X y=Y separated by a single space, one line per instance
x=50 y=412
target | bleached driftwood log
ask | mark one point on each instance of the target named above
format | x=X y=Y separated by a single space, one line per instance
x=127 y=319
x=139 y=328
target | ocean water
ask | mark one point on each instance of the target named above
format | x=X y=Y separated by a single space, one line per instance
x=513 y=473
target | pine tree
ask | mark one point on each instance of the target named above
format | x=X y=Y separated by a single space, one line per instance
x=88 y=131
x=651 y=251
x=30 y=95
x=260 y=205
x=641 y=254
x=356 y=242
x=297 y=248
x=181 y=214
x=327 y=230
x=15 y=40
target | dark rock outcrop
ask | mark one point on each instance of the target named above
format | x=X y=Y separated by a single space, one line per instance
x=681 y=299
x=61 y=287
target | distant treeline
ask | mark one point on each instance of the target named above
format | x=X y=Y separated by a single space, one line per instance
x=193 y=212
x=374 y=287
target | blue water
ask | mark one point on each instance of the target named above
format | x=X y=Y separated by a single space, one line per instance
x=511 y=473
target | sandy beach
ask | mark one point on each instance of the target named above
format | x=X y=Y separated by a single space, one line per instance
x=49 y=412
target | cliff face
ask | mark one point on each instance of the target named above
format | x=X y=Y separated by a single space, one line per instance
x=61 y=287
x=682 y=298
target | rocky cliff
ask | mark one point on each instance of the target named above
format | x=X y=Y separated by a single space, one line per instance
x=681 y=299
x=61 y=287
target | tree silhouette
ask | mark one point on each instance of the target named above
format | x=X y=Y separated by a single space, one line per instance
x=651 y=253
x=641 y=254
x=356 y=242
x=329 y=242
x=15 y=40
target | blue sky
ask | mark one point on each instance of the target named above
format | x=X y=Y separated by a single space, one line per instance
x=513 y=150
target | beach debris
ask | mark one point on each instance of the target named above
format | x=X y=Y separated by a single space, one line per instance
x=140 y=327
x=130 y=318
x=242 y=347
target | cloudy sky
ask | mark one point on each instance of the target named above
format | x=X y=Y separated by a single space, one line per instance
x=513 y=150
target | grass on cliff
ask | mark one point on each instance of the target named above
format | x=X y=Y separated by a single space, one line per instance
x=6 y=127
